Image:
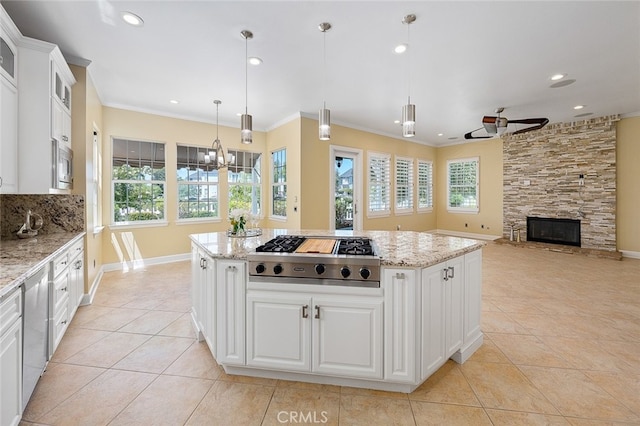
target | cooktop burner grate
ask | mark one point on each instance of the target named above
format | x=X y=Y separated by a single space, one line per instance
x=356 y=246
x=281 y=244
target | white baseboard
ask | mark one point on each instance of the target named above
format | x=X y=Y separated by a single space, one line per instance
x=630 y=254
x=87 y=299
x=141 y=263
x=466 y=234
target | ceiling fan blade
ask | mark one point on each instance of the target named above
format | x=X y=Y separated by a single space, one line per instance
x=470 y=136
x=539 y=124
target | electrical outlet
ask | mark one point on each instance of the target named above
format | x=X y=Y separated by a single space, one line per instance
x=398 y=227
x=466 y=225
x=482 y=226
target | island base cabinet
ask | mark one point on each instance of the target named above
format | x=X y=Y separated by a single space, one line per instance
x=278 y=331
x=203 y=295
x=333 y=335
x=442 y=313
x=472 y=336
x=11 y=358
x=230 y=316
x=347 y=337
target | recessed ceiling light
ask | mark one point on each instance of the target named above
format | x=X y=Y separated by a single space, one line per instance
x=578 y=107
x=396 y=121
x=132 y=19
x=557 y=77
x=173 y=101
x=562 y=83
x=401 y=48
x=440 y=134
x=255 y=61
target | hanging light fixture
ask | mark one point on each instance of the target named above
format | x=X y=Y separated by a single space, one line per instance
x=216 y=154
x=324 y=116
x=409 y=110
x=246 y=126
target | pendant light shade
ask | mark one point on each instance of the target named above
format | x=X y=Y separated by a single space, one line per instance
x=216 y=154
x=409 y=120
x=408 y=110
x=246 y=121
x=324 y=115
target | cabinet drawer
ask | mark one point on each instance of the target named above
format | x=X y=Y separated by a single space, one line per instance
x=10 y=309
x=60 y=263
x=76 y=248
x=59 y=326
x=60 y=292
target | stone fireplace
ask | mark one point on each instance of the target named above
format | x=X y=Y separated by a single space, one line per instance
x=564 y=171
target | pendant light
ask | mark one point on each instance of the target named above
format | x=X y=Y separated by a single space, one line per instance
x=324 y=116
x=216 y=154
x=246 y=126
x=409 y=110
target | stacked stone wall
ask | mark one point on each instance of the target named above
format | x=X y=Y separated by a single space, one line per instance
x=541 y=178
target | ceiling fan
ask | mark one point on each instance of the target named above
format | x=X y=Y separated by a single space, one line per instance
x=498 y=125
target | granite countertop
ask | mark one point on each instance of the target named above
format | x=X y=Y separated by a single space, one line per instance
x=19 y=259
x=395 y=248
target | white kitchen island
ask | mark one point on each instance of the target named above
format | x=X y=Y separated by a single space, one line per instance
x=426 y=310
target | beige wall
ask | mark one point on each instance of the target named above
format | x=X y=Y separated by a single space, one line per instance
x=315 y=158
x=490 y=197
x=134 y=243
x=628 y=184
x=87 y=115
x=285 y=136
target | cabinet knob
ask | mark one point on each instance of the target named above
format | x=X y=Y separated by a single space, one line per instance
x=232 y=268
x=400 y=275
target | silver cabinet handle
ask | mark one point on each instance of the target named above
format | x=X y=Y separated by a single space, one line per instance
x=400 y=275
x=445 y=274
x=317 y=308
x=63 y=289
x=305 y=314
x=232 y=268
x=451 y=270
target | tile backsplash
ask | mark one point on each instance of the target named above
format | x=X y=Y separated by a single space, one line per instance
x=60 y=213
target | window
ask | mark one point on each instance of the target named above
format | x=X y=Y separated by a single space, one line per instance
x=462 y=185
x=279 y=183
x=379 y=184
x=244 y=181
x=404 y=185
x=197 y=184
x=138 y=179
x=96 y=181
x=425 y=185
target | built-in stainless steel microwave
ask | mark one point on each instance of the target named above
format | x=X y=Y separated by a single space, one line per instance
x=62 y=159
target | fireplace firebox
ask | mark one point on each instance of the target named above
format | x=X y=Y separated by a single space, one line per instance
x=554 y=231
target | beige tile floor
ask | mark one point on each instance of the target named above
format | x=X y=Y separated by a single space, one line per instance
x=562 y=346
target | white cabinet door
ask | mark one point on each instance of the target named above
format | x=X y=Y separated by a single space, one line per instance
x=347 y=336
x=400 y=324
x=432 y=320
x=57 y=115
x=231 y=289
x=11 y=375
x=197 y=279
x=8 y=137
x=279 y=330
x=454 y=304
x=209 y=303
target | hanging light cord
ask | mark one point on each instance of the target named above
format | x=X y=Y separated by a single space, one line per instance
x=324 y=60
x=409 y=63
x=246 y=74
x=217 y=108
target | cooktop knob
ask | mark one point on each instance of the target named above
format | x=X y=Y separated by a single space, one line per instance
x=260 y=268
x=277 y=269
x=320 y=269
x=345 y=272
x=365 y=273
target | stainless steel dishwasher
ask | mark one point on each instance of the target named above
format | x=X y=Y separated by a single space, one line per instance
x=35 y=331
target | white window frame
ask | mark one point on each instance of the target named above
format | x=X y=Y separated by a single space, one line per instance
x=408 y=163
x=96 y=181
x=464 y=209
x=275 y=185
x=253 y=184
x=201 y=165
x=428 y=184
x=385 y=183
x=139 y=223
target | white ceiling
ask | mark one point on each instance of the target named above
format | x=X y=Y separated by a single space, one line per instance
x=466 y=59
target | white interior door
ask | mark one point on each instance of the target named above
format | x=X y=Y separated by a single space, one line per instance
x=345 y=191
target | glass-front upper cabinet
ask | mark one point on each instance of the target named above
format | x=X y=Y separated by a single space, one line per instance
x=8 y=59
x=61 y=90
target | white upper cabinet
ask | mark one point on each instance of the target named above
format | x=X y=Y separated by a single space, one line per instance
x=44 y=112
x=9 y=35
